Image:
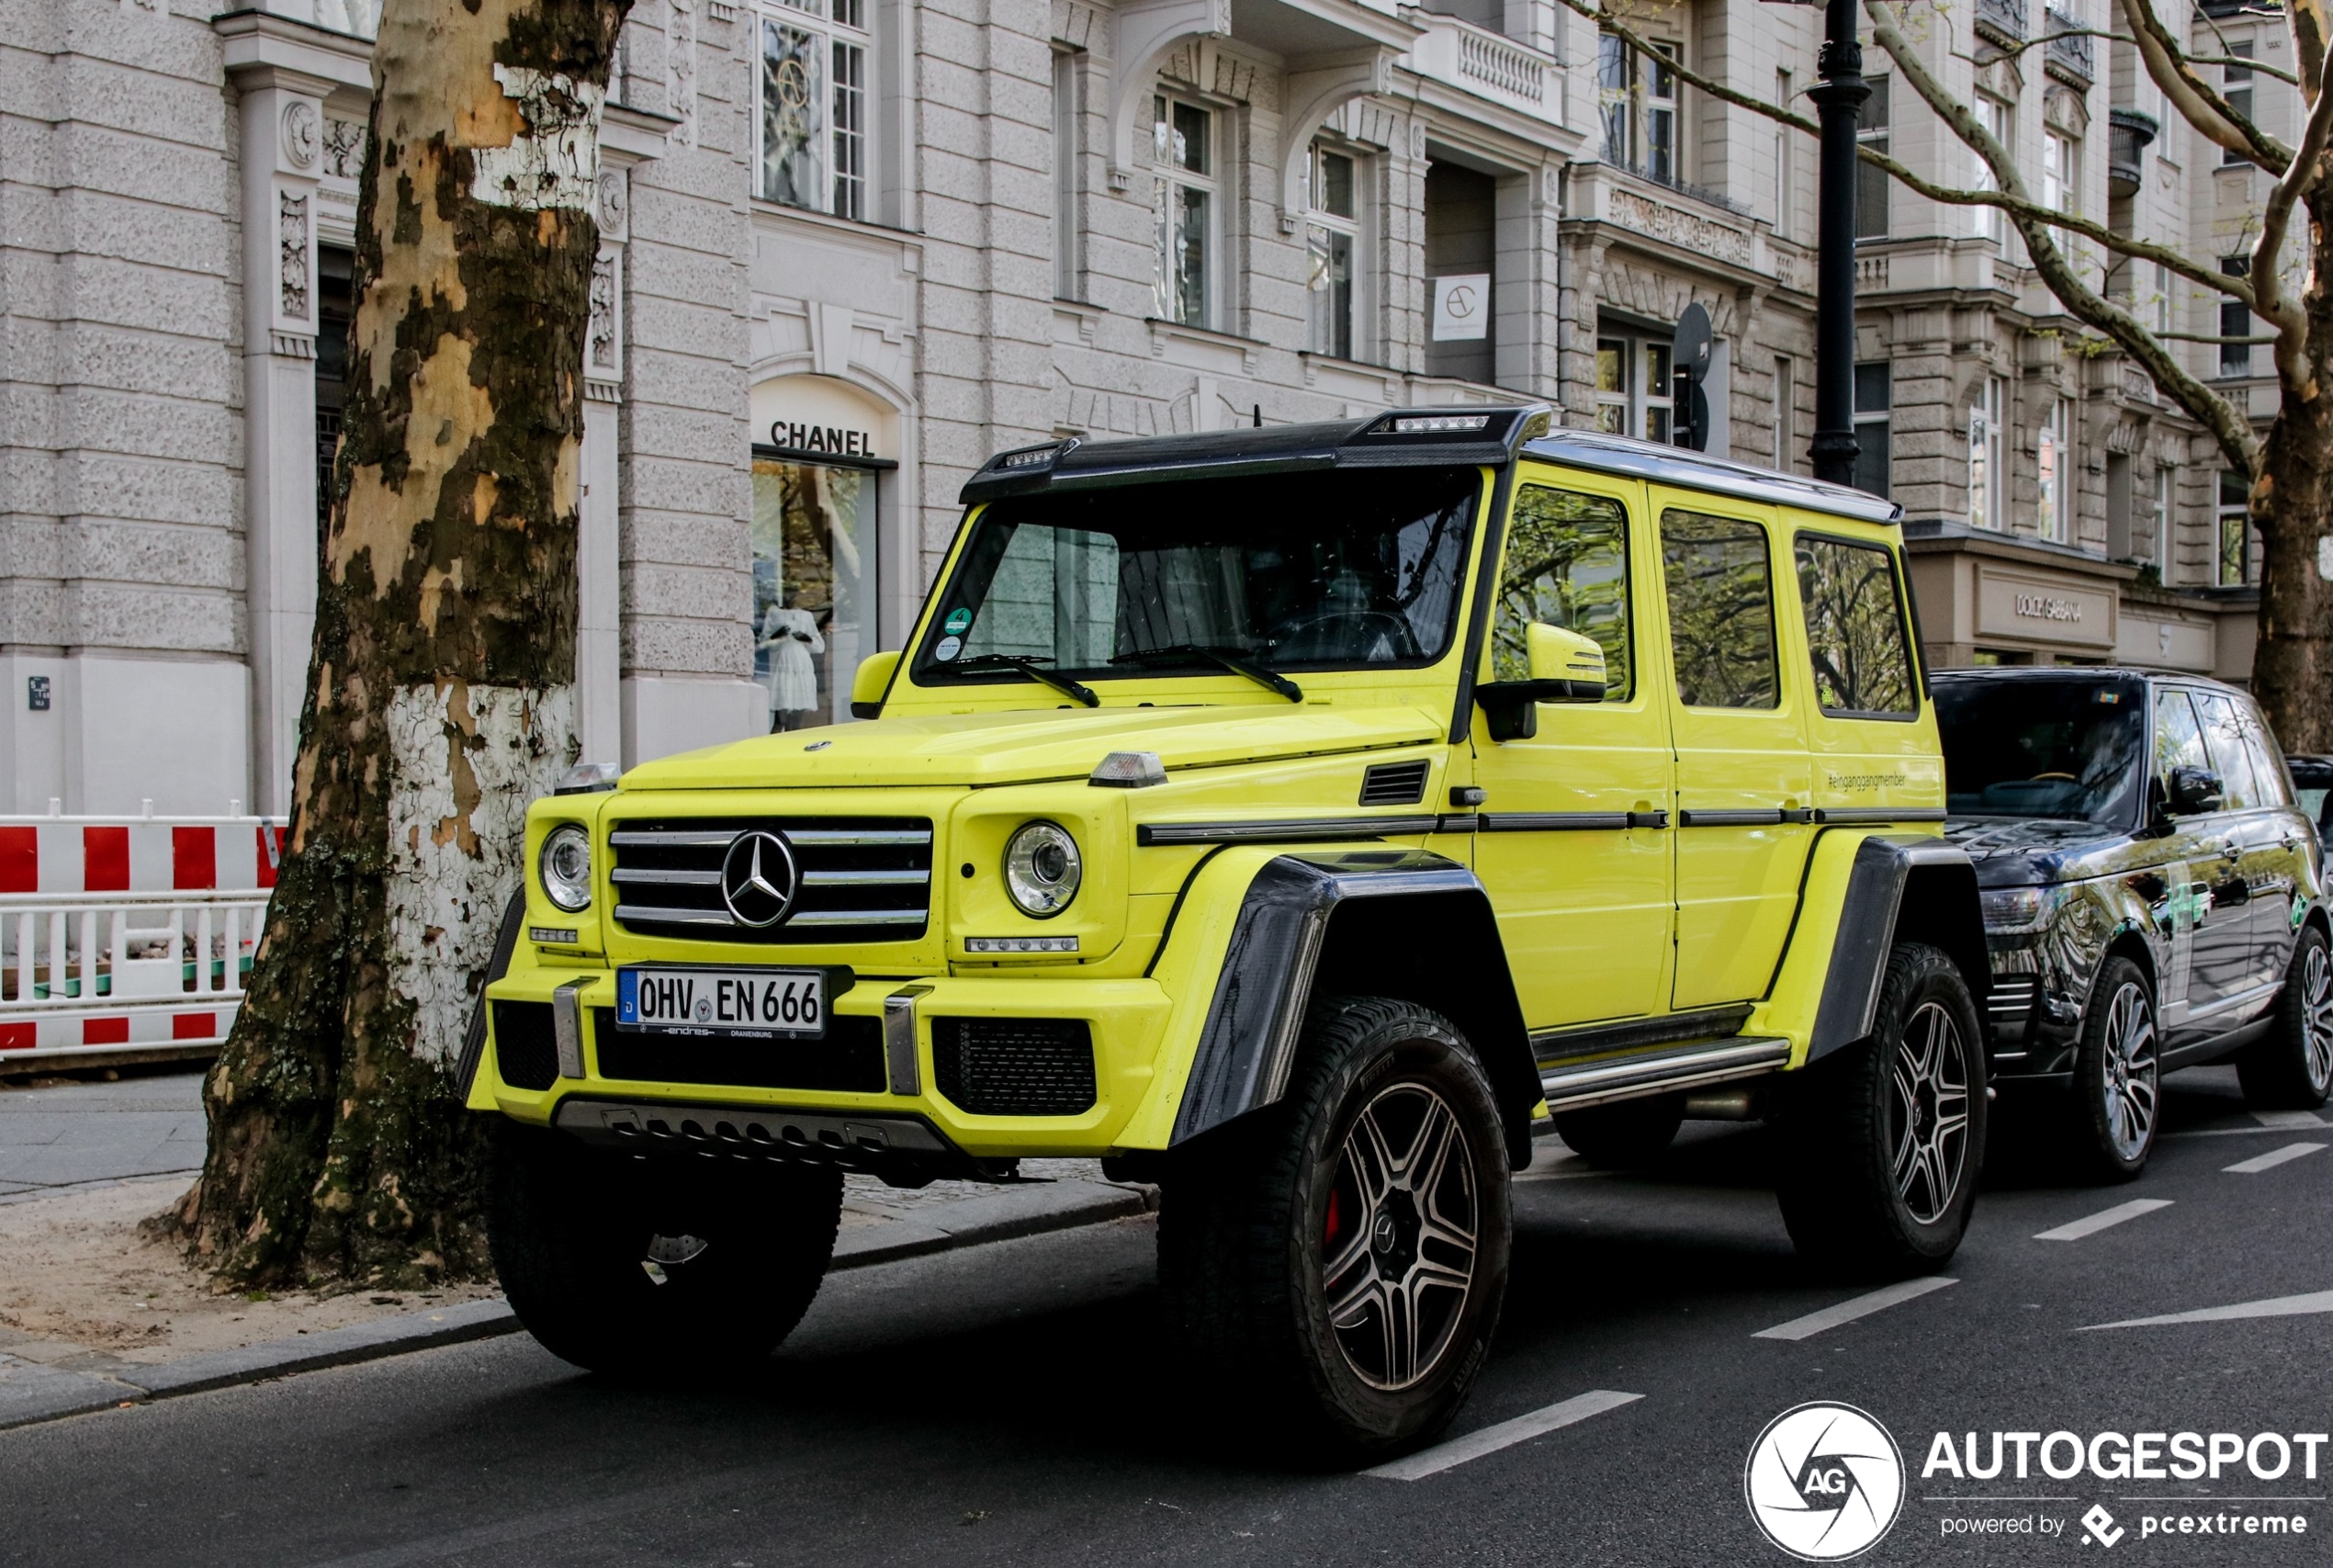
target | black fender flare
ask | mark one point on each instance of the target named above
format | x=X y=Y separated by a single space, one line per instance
x=1318 y=922
x=1898 y=889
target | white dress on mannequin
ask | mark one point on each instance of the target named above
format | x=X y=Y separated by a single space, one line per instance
x=792 y=637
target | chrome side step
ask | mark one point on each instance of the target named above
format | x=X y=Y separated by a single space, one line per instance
x=1592 y=1083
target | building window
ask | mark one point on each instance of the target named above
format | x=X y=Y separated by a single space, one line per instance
x=1182 y=149
x=2237 y=88
x=1984 y=456
x=1332 y=243
x=1993 y=115
x=1786 y=159
x=813 y=123
x=1633 y=387
x=2053 y=461
x=1064 y=174
x=1639 y=93
x=1871 y=184
x=2157 y=544
x=2162 y=298
x=2236 y=322
x=2061 y=172
x=2234 y=518
x=1874 y=392
x=1785 y=407
x=814 y=586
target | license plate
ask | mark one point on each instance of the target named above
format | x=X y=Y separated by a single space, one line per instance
x=743 y=1004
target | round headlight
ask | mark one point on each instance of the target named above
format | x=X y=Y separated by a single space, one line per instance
x=1041 y=869
x=566 y=866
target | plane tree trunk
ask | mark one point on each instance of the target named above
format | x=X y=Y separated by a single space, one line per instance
x=441 y=692
x=2292 y=507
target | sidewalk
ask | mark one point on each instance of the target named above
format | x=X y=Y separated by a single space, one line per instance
x=96 y=1312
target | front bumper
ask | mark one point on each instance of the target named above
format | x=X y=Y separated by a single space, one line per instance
x=880 y=1041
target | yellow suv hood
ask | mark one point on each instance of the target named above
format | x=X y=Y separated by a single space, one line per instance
x=1024 y=747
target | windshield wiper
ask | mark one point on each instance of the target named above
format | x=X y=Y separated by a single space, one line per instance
x=1233 y=661
x=1028 y=667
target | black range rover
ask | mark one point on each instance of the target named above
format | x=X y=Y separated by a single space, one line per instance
x=2154 y=897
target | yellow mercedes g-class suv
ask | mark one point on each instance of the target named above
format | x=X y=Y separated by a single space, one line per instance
x=1301 y=819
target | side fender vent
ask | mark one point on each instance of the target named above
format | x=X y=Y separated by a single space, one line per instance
x=1395 y=784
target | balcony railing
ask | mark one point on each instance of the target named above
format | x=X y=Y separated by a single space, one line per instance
x=359 y=18
x=2068 y=55
x=2129 y=133
x=2003 y=20
x=1475 y=60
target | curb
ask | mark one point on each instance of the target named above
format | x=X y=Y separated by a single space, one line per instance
x=31 y=1393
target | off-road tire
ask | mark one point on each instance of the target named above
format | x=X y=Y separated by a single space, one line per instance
x=2114 y=1108
x=2291 y=1069
x=1841 y=1133
x=1624 y=1132
x=573 y=1231
x=1249 y=1244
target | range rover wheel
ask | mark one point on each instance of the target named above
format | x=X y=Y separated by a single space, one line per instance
x=1625 y=1133
x=2117 y=1075
x=1334 y=1265
x=1882 y=1143
x=622 y=1265
x=2292 y=1068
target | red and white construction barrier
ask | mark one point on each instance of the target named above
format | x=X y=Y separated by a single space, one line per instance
x=116 y=935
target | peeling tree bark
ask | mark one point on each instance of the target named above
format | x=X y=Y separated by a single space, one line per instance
x=441 y=691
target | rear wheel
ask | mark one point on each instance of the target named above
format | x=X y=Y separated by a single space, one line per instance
x=620 y=1265
x=1629 y=1132
x=1335 y=1264
x=2117 y=1075
x=2292 y=1068
x=1882 y=1142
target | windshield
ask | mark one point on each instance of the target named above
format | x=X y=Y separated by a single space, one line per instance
x=1284 y=572
x=2071 y=750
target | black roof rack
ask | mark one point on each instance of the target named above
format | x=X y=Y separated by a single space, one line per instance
x=1439 y=437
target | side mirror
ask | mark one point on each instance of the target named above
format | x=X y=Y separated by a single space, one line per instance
x=873 y=679
x=2195 y=790
x=1565 y=667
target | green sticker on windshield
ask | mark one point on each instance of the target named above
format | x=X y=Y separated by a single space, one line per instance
x=958 y=620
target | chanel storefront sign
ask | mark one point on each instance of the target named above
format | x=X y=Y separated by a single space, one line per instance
x=841 y=441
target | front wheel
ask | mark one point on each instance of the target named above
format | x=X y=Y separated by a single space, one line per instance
x=1335 y=1263
x=1883 y=1141
x=2292 y=1068
x=623 y=1265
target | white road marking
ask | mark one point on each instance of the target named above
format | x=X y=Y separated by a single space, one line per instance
x=1506 y=1434
x=2283 y=1119
x=2077 y=1229
x=1814 y=1323
x=2275 y=1306
x=2271 y=1160
x=2224 y=1131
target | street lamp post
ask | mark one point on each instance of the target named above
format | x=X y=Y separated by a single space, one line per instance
x=1839 y=95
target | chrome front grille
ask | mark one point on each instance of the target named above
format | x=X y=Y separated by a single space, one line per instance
x=862 y=878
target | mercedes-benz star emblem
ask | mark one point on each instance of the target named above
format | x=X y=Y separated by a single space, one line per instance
x=756 y=878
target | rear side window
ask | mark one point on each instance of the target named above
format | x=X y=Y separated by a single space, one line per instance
x=1567 y=565
x=1720 y=590
x=1856 y=635
x=2224 y=735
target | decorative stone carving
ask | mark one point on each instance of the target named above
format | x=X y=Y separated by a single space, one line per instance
x=343 y=148
x=299 y=132
x=1685 y=229
x=291 y=225
x=614 y=204
x=680 y=72
x=602 y=328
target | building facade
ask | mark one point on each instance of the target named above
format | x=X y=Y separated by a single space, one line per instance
x=853 y=247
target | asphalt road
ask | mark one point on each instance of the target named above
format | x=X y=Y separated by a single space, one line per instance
x=1001 y=1405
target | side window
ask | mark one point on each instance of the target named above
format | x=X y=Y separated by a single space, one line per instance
x=2268 y=758
x=1856 y=635
x=2224 y=736
x=1720 y=590
x=2179 y=740
x=1567 y=565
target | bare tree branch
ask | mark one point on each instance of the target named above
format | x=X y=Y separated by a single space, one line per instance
x=2285 y=315
x=2228 y=427
x=2198 y=103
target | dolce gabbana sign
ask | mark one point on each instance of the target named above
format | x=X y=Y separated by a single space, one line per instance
x=2033 y=610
